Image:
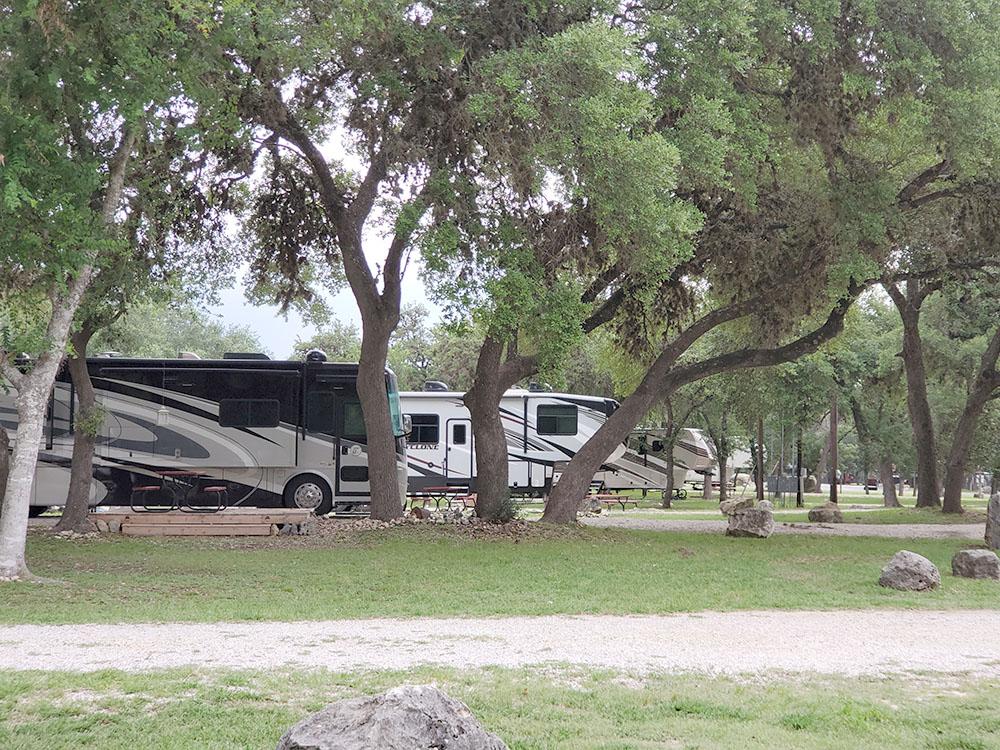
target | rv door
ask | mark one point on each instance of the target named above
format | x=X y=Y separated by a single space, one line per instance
x=352 y=447
x=458 y=448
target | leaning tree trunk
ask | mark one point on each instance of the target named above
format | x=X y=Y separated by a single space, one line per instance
x=889 y=499
x=32 y=397
x=33 y=389
x=489 y=438
x=383 y=477
x=569 y=491
x=918 y=404
x=986 y=382
x=75 y=515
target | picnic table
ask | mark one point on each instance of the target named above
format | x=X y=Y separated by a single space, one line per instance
x=449 y=495
x=178 y=487
x=608 y=499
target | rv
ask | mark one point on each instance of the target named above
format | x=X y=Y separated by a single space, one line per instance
x=268 y=433
x=544 y=430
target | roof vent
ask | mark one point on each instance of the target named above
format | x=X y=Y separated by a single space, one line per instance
x=245 y=355
x=435 y=385
x=315 y=355
x=539 y=387
x=110 y=355
x=187 y=355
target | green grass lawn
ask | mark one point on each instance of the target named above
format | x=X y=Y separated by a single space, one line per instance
x=554 y=708
x=441 y=571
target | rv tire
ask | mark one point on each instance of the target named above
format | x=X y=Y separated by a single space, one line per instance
x=309 y=491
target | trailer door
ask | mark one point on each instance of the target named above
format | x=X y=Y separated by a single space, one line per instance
x=458 y=448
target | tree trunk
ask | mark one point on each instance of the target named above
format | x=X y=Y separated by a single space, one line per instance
x=568 y=492
x=75 y=514
x=759 y=474
x=662 y=378
x=33 y=394
x=921 y=420
x=668 y=487
x=489 y=438
x=4 y=463
x=799 y=501
x=834 y=459
x=889 y=499
x=987 y=380
x=383 y=477
x=33 y=389
x=723 y=477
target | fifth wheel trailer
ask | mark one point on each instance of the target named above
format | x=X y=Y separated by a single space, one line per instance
x=543 y=431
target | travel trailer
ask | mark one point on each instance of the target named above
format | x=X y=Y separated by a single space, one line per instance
x=544 y=430
x=267 y=433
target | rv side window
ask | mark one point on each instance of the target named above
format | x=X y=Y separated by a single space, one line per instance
x=426 y=428
x=319 y=411
x=458 y=434
x=354 y=421
x=246 y=412
x=556 y=419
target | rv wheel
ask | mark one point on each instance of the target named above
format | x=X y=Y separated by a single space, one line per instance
x=309 y=492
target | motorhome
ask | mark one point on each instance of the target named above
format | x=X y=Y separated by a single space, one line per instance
x=544 y=430
x=272 y=433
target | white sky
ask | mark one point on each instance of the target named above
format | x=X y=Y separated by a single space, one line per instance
x=278 y=334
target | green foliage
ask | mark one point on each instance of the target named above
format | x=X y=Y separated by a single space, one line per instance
x=72 y=95
x=161 y=330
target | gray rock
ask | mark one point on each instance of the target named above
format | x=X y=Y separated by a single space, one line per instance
x=752 y=522
x=976 y=563
x=728 y=507
x=828 y=513
x=590 y=504
x=908 y=571
x=409 y=717
x=993 y=522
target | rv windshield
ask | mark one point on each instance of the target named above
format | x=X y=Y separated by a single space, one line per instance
x=392 y=389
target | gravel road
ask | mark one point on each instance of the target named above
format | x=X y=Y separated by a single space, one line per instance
x=850 y=643
x=894 y=530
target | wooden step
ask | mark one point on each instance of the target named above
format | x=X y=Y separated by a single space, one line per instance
x=218 y=529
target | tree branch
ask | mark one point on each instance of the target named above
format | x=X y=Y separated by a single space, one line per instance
x=922 y=180
x=605 y=312
x=747 y=358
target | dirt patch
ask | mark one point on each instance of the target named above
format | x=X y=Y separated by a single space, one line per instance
x=364 y=532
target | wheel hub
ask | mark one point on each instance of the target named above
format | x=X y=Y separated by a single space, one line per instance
x=308 y=496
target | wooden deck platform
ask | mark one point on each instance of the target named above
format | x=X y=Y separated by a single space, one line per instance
x=228 y=522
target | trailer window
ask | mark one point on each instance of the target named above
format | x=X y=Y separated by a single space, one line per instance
x=426 y=428
x=458 y=434
x=246 y=412
x=556 y=419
